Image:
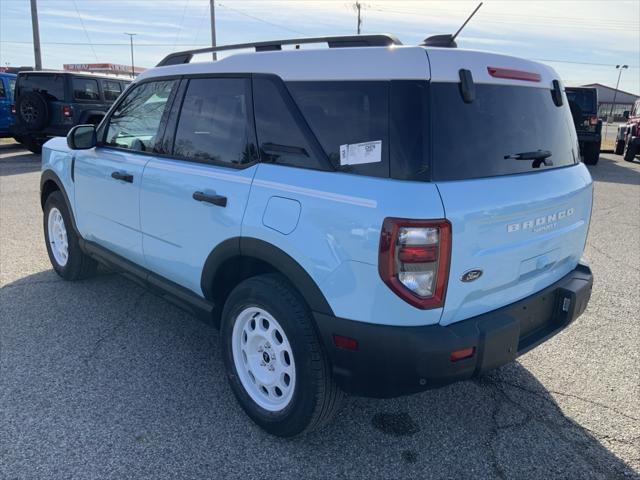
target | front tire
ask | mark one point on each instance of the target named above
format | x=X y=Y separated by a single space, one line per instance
x=619 y=147
x=275 y=363
x=62 y=241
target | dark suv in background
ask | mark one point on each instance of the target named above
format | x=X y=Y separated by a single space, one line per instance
x=48 y=104
x=583 y=103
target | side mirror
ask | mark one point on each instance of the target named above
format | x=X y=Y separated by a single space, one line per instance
x=82 y=137
x=625 y=114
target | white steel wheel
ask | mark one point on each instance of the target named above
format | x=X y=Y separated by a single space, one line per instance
x=263 y=359
x=58 y=239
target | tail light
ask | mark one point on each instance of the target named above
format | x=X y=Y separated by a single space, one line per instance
x=414 y=259
x=67 y=111
x=593 y=120
x=13 y=109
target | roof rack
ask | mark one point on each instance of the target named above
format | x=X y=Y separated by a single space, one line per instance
x=381 y=40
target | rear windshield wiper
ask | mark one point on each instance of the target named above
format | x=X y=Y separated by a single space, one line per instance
x=539 y=157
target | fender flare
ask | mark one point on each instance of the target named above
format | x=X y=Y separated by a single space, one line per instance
x=273 y=256
x=51 y=176
x=90 y=113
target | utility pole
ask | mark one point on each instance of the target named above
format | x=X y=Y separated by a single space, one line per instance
x=615 y=92
x=131 y=35
x=212 y=10
x=358 y=7
x=36 y=35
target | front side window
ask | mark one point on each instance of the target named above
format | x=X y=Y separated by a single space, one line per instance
x=214 y=124
x=86 y=89
x=136 y=122
x=111 y=89
x=280 y=134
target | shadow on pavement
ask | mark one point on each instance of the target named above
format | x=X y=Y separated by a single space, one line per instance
x=16 y=160
x=101 y=378
x=615 y=171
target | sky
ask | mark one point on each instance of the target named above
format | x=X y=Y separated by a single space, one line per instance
x=582 y=40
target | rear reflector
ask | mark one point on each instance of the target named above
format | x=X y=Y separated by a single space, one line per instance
x=462 y=354
x=345 y=342
x=513 y=74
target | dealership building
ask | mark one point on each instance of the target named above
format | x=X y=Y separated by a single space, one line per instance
x=608 y=98
x=103 y=68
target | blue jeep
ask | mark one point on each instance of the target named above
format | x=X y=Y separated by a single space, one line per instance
x=368 y=218
x=7 y=87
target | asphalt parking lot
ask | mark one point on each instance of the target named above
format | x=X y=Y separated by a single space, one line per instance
x=100 y=379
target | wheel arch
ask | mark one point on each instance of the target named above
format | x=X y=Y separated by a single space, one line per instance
x=49 y=183
x=239 y=258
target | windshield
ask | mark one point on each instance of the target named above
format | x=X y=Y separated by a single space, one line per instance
x=497 y=132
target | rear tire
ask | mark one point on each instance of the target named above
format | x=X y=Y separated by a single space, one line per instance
x=34 y=145
x=591 y=153
x=275 y=363
x=631 y=151
x=63 y=246
x=619 y=147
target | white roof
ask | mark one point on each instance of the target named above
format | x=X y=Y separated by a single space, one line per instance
x=367 y=63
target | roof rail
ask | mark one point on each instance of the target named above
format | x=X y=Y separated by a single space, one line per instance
x=381 y=40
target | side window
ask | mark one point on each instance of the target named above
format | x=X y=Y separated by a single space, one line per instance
x=280 y=137
x=3 y=93
x=111 y=89
x=343 y=114
x=214 y=124
x=85 y=89
x=136 y=122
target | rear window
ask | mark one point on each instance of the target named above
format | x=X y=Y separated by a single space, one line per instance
x=585 y=99
x=86 y=89
x=50 y=86
x=471 y=140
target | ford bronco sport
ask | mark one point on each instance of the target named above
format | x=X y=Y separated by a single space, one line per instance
x=48 y=104
x=320 y=206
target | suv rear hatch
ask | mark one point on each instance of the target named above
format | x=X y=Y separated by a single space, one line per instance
x=522 y=227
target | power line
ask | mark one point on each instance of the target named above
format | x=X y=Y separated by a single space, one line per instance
x=184 y=10
x=261 y=19
x=85 y=30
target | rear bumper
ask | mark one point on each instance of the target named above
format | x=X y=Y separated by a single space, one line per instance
x=392 y=361
x=589 y=137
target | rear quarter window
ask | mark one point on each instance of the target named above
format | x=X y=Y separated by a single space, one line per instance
x=50 y=86
x=111 y=89
x=347 y=113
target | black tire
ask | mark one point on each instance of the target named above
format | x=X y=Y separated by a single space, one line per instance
x=18 y=138
x=591 y=153
x=34 y=145
x=315 y=397
x=78 y=265
x=631 y=151
x=619 y=147
x=32 y=111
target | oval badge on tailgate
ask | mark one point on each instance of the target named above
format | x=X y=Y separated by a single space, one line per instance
x=471 y=275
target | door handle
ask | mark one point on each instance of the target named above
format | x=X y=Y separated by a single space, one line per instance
x=125 y=177
x=218 y=200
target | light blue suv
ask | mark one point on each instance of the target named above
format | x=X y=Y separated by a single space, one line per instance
x=368 y=218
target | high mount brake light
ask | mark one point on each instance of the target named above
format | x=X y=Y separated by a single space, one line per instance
x=514 y=74
x=413 y=259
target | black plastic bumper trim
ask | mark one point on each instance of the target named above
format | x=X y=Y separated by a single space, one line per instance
x=393 y=361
